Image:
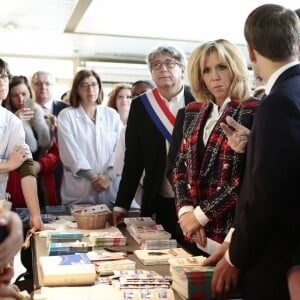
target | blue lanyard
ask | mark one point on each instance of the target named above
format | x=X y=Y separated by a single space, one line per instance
x=3 y=156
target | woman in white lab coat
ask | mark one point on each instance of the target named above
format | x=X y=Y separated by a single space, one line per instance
x=87 y=136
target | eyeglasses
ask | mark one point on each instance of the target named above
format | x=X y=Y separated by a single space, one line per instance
x=169 y=64
x=41 y=83
x=85 y=86
x=124 y=97
x=4 y=76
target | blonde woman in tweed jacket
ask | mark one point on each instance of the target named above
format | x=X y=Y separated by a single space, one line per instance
x=207 y=172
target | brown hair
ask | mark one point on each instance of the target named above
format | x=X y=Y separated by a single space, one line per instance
x=273 y=31
x=114 y=93
x=79 y=76
x=4 y=68
x=15 y=81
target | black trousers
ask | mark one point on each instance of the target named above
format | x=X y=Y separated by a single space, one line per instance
x=166 y=214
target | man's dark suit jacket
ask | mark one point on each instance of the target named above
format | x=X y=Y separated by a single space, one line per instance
x=145 y=149
x=267 y=217
x=58 y=106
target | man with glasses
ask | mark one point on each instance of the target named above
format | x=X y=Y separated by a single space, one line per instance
x=42 y=85
x=148 y=135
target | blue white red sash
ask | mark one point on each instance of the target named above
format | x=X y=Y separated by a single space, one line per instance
x=159 y=112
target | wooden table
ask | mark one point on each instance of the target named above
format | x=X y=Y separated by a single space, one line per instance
x=39 y=249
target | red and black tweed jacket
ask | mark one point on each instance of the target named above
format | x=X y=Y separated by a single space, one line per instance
x=213 y=181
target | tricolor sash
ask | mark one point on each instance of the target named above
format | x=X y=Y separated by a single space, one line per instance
x=159 y=113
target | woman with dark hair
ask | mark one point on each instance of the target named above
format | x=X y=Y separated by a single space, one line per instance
x=15 y=154
x=87 y=135
x=40 y=138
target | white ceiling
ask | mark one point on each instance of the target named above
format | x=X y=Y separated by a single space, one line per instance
x=117 y=30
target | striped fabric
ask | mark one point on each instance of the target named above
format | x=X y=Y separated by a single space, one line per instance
x=159 y=112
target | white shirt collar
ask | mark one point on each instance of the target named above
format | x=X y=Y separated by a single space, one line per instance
x=216 y=111
x=48 y=106
x=178 y=98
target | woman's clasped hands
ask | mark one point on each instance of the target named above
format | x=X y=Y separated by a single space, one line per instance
x=101 y=182
x=192 y=229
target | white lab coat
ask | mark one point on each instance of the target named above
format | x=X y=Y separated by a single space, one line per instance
x=118 y=169
x=11 y=134
x=84 y=145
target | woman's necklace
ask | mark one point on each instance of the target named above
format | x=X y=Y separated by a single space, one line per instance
x=93 y=116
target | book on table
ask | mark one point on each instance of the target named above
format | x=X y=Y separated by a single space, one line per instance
x=104 y=255
x=190 y=279
x=108 y=267
x=141 y=233
x=67 y=270
x=64 y=236
x=139 y=221
x=111 y=236
x=161 y=256
x=138 y=278
x=68 y=248
x=158 y=244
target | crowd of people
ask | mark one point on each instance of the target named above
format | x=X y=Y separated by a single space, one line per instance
x=211 y=161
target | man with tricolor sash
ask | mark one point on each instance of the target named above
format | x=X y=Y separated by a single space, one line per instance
x=148 y=136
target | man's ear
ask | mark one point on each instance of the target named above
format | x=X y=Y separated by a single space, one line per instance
x=252 y=54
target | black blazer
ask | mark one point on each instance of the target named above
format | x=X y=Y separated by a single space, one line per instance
x=145 y=149
x=58 y=106
x=267 y=219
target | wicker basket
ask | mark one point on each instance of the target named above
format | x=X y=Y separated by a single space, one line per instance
x=90 y=220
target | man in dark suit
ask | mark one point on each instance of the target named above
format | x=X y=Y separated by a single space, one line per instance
x=42 y=85
x=267 y=223
x=147 y=145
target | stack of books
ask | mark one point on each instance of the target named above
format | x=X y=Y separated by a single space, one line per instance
x=139 y=221
x=140 y=284
x=111 y=236
x=107 y=262
x=140 y=279
x=160 y=257
x=69 y=248
x=67 y=270
x=190 y=279
x=109 y=267
x=142 y=233
x=141 y=294
x=66 y=242
x=64 y=236
x=103 y=255
x=158 y=244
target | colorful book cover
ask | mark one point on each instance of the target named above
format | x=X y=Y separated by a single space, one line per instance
x=64 y=236
x=104 y=238
x=193 y=282
x=68 y=248
x=74 y=269
x=141 y=233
